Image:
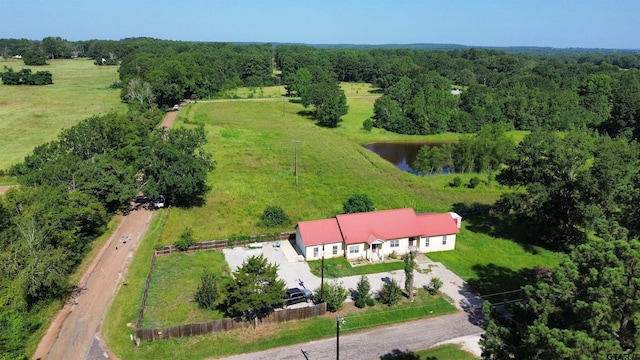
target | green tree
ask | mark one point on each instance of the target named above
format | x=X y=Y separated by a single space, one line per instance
x=589 y=307
x=390 y=293
x=255 y=286
x=434 y=285
x=185 y=240
x=550 y=169
x=176 y=165
x=388 y=115
x=367 y=125
x=329 y=101
x=208 y=295
x=409 y=265
x=34 y=58
x=431 y=159
x=625 y=112
x=362 y=294
x=357 y=203
x=273 y=216
x=334 y=294
x=302 y=79
x=55 y=47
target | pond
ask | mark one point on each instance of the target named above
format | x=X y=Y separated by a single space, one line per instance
x=400 y=154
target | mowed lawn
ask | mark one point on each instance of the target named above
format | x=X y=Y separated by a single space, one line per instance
x=174 y=283
x=33 y=115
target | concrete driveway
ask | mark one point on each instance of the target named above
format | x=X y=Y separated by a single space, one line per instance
x=296 y=273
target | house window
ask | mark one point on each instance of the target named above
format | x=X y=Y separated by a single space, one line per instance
x=444 y=240
x=315 y=252
x=335 y=249
x=354 y=249
x=394 y=243
x=426 y=242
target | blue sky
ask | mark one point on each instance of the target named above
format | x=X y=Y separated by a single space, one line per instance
x=555 y=23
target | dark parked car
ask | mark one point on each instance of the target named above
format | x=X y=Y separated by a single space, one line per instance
x=297 y=295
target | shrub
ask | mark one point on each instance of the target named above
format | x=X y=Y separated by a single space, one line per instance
x=334 y=294
x=367 y=125
x=358 y=203
x=370 y=301
x=186 y=239
x=390 y=293
x=208 y=292
x=434 y=285
x=274 y=216
x=473 y=182
x=362 y=296
x=456 y=182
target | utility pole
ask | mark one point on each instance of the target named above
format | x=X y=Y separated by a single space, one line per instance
x=339 y=321
x=295 y=168
x=322 y=276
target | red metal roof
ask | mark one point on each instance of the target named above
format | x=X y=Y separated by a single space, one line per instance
x=434 y=224
x=316 y=232
x=368 y=227
x=384 y=225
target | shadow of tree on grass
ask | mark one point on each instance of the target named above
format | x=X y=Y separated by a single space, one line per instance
x=480 y=219
x=496 y=283
x=397 y=354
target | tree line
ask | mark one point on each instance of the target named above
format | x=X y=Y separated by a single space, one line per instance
x=69 y=189
x=26 y=77
x=528 y=90
x=576 y=193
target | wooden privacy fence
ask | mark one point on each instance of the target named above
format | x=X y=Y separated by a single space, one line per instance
x=221 y=244
x=228 y=324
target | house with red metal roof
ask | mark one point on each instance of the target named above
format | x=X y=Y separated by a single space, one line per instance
x=377 y=234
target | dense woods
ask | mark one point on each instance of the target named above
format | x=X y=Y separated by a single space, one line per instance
x=70 y=188
x=572 y=184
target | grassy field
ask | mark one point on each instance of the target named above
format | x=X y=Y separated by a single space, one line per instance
x=33 y=115
x=252 y=141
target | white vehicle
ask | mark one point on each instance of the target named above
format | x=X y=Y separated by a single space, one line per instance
x=159 y=202
x=176 y=107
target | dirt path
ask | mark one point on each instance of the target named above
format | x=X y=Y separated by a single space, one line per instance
x=4 y=189
x=75 y=332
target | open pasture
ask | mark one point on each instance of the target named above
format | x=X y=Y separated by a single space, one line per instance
x=33 y=115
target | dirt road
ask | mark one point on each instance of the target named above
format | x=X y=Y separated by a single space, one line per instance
x=74 y=333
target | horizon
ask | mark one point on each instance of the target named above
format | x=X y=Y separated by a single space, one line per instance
x=570 y=24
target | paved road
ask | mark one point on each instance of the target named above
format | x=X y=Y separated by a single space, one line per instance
x=376 y=343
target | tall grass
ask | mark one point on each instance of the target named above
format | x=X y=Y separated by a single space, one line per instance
x=33 y=115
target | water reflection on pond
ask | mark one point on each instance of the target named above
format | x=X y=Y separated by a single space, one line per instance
x=400 y=154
